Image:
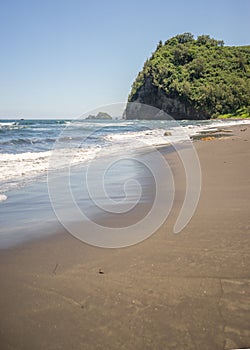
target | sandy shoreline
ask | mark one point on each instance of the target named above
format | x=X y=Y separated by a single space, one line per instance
x=186 y=291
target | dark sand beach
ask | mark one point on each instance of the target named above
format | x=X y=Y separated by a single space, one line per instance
x=184 y=291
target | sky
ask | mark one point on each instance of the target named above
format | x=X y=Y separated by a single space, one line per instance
x=62 y=58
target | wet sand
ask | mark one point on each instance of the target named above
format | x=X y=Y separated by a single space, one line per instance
x=185 y=291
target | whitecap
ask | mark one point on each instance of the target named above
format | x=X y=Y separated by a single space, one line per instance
x=3 y=197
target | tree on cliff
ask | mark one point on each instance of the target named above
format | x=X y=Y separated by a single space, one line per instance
x=210 y=78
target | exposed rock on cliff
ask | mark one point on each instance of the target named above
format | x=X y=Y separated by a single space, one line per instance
x=152 y=95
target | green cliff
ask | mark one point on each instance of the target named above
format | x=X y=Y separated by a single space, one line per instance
x=194 y=78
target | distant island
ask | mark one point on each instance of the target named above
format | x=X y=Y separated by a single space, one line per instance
x=194 y=79
x=100 y=115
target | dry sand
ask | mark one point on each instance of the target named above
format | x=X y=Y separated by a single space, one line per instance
x=186 y=291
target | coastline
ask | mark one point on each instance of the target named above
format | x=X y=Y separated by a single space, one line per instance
x=171 y=291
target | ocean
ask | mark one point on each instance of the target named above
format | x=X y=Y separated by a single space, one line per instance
x=27 y=154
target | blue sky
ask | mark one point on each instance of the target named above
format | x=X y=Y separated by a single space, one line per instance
x=61 y=58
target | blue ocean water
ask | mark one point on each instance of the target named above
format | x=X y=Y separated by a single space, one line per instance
x=22 y=136
x=27 y=148
x=26 y=145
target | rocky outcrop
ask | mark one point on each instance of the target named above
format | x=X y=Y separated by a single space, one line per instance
x=100 y=115
x=151 y=95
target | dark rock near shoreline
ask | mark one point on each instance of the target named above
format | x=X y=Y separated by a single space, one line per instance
x=167 y=133
x=100 y=115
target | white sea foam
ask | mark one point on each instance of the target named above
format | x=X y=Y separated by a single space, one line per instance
x=195 y=129
x=154 y=137
x=7 y=123
x=3 y=197
x=18 y=167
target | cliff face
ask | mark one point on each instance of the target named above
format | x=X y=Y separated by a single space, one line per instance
x=191 y=78
x=151 y=95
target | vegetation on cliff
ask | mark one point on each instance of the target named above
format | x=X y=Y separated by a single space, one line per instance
x=241 y=113
x=202 y=73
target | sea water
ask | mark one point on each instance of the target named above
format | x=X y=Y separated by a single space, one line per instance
x=27 y=147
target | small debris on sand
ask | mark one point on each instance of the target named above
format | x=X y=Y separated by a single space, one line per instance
x=207 y=138
x=55 y=268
